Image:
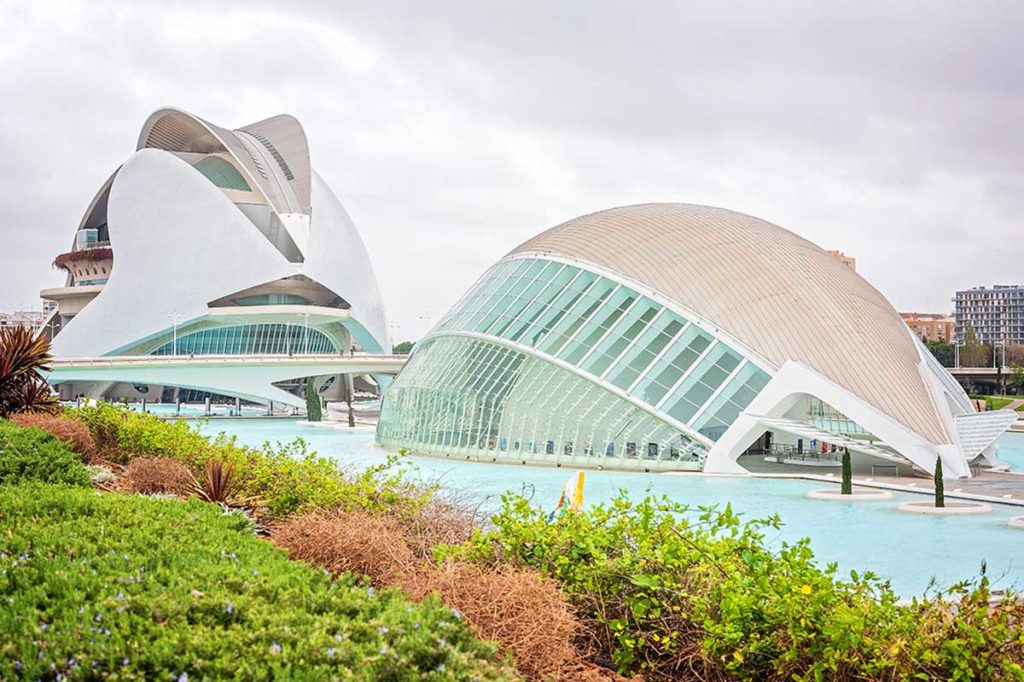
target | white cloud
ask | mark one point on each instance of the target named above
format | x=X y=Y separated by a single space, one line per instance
x=453 y=131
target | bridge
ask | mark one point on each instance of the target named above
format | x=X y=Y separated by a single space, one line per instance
x=984 y=375
x=250 y=377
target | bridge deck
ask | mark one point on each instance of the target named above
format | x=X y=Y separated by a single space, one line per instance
x=149 y=360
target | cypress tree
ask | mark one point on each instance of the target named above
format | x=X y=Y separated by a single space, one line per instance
x=847 y=473
x=313 y=413
x=940 y=493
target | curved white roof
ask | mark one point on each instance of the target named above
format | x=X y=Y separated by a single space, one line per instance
x=273 y=153
x=216 y=247
x=778 y=294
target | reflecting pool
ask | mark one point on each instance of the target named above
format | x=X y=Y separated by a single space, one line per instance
x=908 y=549
x=1011 y=450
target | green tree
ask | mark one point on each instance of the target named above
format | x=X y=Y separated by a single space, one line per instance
x=943 y=351
x=313 y=412
x=847 y=473
x=940 y=493
x=974 y=353
x=350 y=389
x=403 y=348
x=1017 y=376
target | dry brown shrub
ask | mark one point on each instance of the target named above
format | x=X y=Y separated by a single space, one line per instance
x=342 y=542
x=440 y=522
x=521 y=610
x=72 y=432
x=149 y=475
x=582 y=670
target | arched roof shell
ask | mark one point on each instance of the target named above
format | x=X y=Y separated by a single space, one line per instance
x=776 y=293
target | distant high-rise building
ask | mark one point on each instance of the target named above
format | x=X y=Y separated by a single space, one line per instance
x=931 y=326
x=848 y=261
x=30 y=319
x=996 y=314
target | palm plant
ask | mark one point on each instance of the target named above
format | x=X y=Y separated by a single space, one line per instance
x=23 y=359
x=216 y=486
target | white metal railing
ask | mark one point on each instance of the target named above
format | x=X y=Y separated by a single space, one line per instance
x=181 y=358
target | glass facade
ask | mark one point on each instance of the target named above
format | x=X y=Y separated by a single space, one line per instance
x=252 y=339
x=222 y=173
x=459 y=395
x=272 y=299
x=614 y=335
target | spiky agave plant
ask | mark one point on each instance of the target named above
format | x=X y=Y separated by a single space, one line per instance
x=23 y=359
x=216 y=485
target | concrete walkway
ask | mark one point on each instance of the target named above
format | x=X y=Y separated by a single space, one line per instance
x=1014 y=405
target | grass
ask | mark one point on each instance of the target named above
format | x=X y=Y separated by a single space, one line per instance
x=996 y=402
x=31 y=454
x=127 y=587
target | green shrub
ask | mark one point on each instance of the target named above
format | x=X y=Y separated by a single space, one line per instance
x=31 y=454
x=847 y=487
x=313 y=411
x=122 y=434
x=280 y=478
x=133 y=588
x=671 y=591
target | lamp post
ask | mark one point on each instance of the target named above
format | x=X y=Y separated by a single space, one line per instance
x=305 y=333
x=174 y=317
x=393 y=325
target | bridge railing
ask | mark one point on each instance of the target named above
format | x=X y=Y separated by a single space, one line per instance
x=332 y=358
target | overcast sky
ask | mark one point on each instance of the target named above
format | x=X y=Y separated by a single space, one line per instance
x=453 y=131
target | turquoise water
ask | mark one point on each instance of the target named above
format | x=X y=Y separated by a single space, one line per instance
x=908 y=549
x=1011 y=450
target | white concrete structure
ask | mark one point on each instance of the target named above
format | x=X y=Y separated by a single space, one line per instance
x=248 y=376
x=652 y=336
x=216 y=241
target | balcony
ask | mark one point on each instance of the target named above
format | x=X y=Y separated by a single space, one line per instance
x=94 y=253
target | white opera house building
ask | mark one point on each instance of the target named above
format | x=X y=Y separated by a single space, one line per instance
x=209 y=241
x=674 y=337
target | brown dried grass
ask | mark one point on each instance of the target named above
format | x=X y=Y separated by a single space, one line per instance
x=524 y=612
x=70 y=431
x=440 y=522
x=148 y=475
x=521 y=610
x=581 y=670
x=356 y=542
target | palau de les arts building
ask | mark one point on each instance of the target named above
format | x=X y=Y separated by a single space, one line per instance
x=673 y=337
x=654 y=337
x=209 y=241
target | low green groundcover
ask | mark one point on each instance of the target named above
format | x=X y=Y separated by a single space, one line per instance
x=35 y=455
x=95 y=585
